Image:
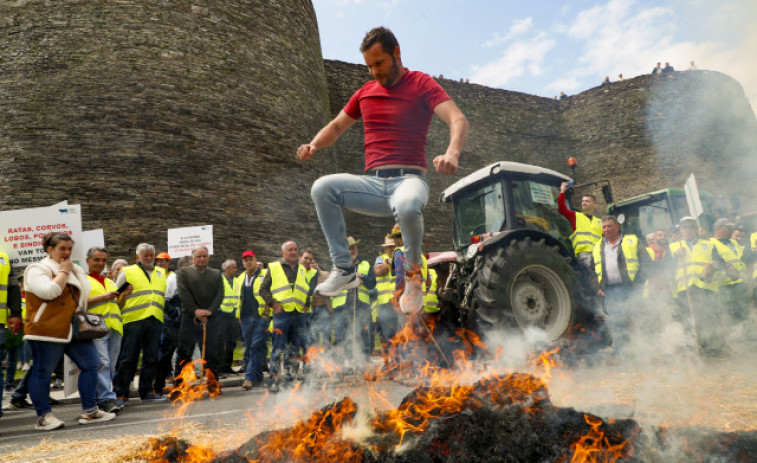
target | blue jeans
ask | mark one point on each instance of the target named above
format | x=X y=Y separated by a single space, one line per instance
x=285 y=327
x=108 y=348
x=46 y=356
x=403 y=197
x=255 y=335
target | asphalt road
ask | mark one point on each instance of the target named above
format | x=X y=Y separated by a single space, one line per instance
x=236 y=408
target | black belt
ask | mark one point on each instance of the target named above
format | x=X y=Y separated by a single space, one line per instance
x=385 y=173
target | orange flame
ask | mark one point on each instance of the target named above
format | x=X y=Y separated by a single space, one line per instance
x=595 y=447
x=188 y=388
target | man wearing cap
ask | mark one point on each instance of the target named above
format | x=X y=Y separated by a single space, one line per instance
x=396 y=108
x=727 y=268
x=254 y=318
x=587 y=228
x=163 y=260
x=386 y=315
x=345 y=303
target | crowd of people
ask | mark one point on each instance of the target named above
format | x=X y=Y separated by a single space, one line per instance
x=706 y=279
x=162 y=319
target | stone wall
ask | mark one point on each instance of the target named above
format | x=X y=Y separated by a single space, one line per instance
x=164 y=114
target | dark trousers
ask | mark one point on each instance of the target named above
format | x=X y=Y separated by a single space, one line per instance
x=141 y=336
x=169 y=341
x=191 y=334
x=232 y=333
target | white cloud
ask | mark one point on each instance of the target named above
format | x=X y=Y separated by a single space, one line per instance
x=519 y=27
x=622 y=37
x=521 y=57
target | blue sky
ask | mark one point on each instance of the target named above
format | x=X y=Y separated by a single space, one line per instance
x=545 y=47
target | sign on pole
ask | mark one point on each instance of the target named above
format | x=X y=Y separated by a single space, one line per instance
x=22 y=231
x=181 y=241
x=692 y=197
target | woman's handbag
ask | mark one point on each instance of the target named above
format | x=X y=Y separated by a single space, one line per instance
x=88 y=326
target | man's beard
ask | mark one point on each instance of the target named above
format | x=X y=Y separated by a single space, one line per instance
x=393 y=75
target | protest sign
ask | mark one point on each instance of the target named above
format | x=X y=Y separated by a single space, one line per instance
x=181 y=241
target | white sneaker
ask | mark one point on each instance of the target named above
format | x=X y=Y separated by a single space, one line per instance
x=95 y=416
x=412 y=298
x=337 y=281
x=48 y=422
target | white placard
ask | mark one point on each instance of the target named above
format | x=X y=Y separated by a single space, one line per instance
x=70 y=377
x=22 y=231
x=692 y=197
x=541 y=194
x=181 y=241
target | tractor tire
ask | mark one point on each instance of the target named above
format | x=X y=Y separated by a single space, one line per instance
x=528 y=283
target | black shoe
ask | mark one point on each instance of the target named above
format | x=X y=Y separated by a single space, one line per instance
x=19 y=404
x=110 y=406
x=55 y=402
x=153 y=398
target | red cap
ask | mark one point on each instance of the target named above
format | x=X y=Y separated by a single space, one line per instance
x=248 y=253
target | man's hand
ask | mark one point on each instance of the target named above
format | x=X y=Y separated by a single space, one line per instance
x=202 y=315
x=277 y=308
x=14 y=323
x=305 y=152
x=600 y=293
x=564 y=187
x=446 y=164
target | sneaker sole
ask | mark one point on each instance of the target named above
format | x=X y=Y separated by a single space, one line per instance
x=354 y=283
x=98 y=420
x=50 y=427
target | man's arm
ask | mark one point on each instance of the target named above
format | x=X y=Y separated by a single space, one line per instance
x=265 y=290
x=220 y=293
x=458 y=135
x=327 y=136
x=562 y=206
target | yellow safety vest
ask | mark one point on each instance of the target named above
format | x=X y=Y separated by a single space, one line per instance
x=431 y=300
x=5 y=271
x=291 y=296
x=629 y=244
x=385 y=285
x=239 y=283
x=363 y=294
x=110 y=310
x=309 y=274
x=587 y=233
x=148 y=297
x=689 y=269
x=730 y=257
x=230 y=302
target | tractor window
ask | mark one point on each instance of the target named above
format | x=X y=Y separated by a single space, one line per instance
x=535 y=207
x=655 y=216
x=478 y=211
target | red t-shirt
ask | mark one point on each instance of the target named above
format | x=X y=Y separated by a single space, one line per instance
x=396 y=119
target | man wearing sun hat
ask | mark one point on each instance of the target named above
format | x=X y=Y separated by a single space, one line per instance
x=343 y=303
x=386 y=315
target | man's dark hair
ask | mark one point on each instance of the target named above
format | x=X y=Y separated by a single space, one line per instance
x=381 y=35
x=307 y=250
